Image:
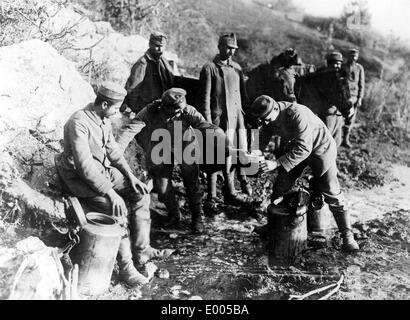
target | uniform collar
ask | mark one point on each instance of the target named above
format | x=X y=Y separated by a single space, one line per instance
x=150 y=57
x=89 y=111
x=217 y=61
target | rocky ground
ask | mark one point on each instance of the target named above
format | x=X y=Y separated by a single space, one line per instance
x=229 y=260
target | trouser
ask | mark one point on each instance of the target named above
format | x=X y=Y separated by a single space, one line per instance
x=327 y=184
x=349 y=122
x=229 y=183
x=334 y=122
x=138 y=208
x=162 y=176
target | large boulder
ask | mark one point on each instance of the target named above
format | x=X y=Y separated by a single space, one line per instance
x=39 y=90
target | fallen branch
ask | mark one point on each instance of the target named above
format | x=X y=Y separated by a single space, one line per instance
x=335 y=286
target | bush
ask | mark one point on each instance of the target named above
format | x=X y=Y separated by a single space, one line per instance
x=28 y=19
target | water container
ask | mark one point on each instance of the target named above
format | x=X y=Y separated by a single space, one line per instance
x=318 y=220
x=287 y=235
x=96 y=253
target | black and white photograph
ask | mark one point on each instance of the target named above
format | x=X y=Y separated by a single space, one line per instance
x=208 y=155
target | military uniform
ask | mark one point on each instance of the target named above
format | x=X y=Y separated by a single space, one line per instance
x=308 y=143
x=148 y=80
x=221 y=95
x=354 y=72
x=148 y=121
x=92 y=164
x=331 y=115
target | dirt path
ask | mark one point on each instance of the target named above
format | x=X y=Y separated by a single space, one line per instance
x=373 y=204
x=229 y=262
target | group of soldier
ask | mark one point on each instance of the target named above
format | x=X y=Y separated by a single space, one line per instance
x=93 y=168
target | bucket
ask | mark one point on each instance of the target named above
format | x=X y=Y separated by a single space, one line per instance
x=287 y=235
x=96 y=253
x=318 y=220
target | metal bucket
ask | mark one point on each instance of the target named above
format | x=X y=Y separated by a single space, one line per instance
x=96 y=253
x=318 y=220
x=287 y=235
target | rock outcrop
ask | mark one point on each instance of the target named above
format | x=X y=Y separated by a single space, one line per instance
x=39 y=90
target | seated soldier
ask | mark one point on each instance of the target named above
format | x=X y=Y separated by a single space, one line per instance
x=93 y=168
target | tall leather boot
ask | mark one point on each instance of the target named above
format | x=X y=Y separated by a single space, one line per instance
x=128 y=273
x=140 y=238
x=245 y=185
x=230 y=194
x=174 y=213
x=197 y=224
x=346 y=137
x=342 y=218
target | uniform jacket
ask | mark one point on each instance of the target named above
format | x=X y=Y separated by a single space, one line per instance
x=355 y=75
x=151 y=118
x=148 y=80
x=307 y=137
x=222 y=95
x=90 y=150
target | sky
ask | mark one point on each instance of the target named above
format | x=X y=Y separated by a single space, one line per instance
x=387 y=15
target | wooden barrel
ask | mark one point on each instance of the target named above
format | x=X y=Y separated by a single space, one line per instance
x=287 y=235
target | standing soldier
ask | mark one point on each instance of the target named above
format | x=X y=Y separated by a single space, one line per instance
x=355 y=74
x=93 y=168
x=309 y=144
x=331 y=115
x=221 y=96
x=173 y=116
x=150 y=76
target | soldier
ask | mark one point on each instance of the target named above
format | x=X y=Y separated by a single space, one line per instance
x=331 y=115
x=170 y=113
x=283 y=70
x=221 y=96
x=150 y=76
x=93 y=168
x=355 y=74
x=309 y=144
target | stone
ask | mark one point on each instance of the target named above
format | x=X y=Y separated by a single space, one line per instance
x=46 y=88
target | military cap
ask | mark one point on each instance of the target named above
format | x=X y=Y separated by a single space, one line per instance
x=229 y=40
x=334 y=56
x=158 y=38
x=290 y=52
x=173 y=96
x=354 y=50
x=261 y=107
x=112 y=91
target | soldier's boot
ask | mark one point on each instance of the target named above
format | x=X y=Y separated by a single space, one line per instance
x=245 y=185
x=174 y=218
x=197 y=224
x=174 y=213
x=341 y=216
x=127 y=272
x=140 y=237
x=230 y=194
x=346 y=138
x=262 y=231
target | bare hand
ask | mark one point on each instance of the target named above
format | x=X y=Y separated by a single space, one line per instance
x=118 y=205
x=268 y=166
x=138 y=185
x=351 y=112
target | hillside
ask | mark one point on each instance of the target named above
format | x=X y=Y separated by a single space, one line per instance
x=92 y=40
